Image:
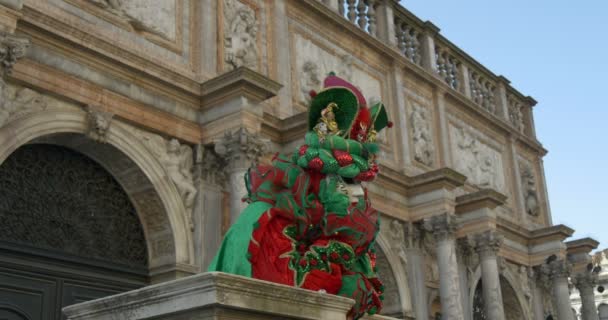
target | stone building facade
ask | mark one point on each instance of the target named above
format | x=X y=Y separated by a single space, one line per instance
x=126 y=127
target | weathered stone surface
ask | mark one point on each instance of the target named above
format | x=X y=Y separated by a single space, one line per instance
x=214 y=296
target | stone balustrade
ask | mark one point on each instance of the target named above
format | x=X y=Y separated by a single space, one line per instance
x=458 y=70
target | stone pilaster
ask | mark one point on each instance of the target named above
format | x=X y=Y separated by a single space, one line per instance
x=467 y=261
x=12 y=48
x=536 y=289
x=208 y=214
x=414 y=234
x=443 y=227
x=558 y=271
x=585 y=282
x=487 y=245
x=240 y=150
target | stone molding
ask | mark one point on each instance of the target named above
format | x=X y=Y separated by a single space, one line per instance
x=441 y=178
x=485 y=198
x=199 y=294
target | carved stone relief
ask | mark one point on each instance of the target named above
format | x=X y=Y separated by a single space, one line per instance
x=516 y=115
x=313 y=63
x=177 y=160
x=153 y=16
x=424 y=148
x=98 y=124
x=240 y=35
x=528 y=188
x=481 y=163
x=20 y=101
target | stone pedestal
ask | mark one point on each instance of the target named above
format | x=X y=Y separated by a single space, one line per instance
x=214 y=296
x=487 y=245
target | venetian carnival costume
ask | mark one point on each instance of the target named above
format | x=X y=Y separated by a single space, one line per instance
x=309 y=222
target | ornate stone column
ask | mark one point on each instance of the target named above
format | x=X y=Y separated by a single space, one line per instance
x=585 y=282
x=487 y=245
x=535 y=279
x=415 y=268
x=240 y=150
x=443 y=227
x=558 y=271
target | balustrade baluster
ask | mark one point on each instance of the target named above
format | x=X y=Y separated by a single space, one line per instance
x=371 y=16
x=352 y=10
x=361 y=14
x=341 y=7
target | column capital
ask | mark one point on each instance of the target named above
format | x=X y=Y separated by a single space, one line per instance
x=12 y=48
x=241 y=148
x=442 y=226
x=413 y=235
x=585 y=280
x=556 y=268
x=212 y=168
x=488 y=243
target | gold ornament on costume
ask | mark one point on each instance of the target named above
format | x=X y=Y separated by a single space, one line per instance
x=327 y=124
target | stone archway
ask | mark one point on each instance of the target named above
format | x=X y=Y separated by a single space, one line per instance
x=391 y=271
x=156 y=199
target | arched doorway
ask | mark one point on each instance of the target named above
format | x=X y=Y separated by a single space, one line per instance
x=512 y=308
x=68 y=233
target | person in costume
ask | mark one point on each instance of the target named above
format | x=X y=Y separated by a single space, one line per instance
x=309 y=222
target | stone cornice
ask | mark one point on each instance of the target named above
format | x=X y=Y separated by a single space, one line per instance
x=285 y=130
x=584 y=245
x=553 y=233
x=444 y=178
x=486 y=198
x=240 y=81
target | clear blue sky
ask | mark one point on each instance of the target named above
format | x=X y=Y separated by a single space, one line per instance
x=557 y=52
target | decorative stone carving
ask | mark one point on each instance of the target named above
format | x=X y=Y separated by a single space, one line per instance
x=488 y=243
x=153 y=16
x=19 y=101
x=478 y=161
x=213 y=168
x=341 y=63
x=98 y=124
x=441 y=226
x=424 y=149
x=241 y=148
x=240 y=36
x=177 y=160
x=466 y=250
x=516 y=115
x=310 y=80
x=528 y=188
x=12 y=48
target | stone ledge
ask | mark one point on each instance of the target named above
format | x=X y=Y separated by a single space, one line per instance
x=441 y=178
x=486 y=198
x=241 y=81
x=584 y=245
x=214 y=296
